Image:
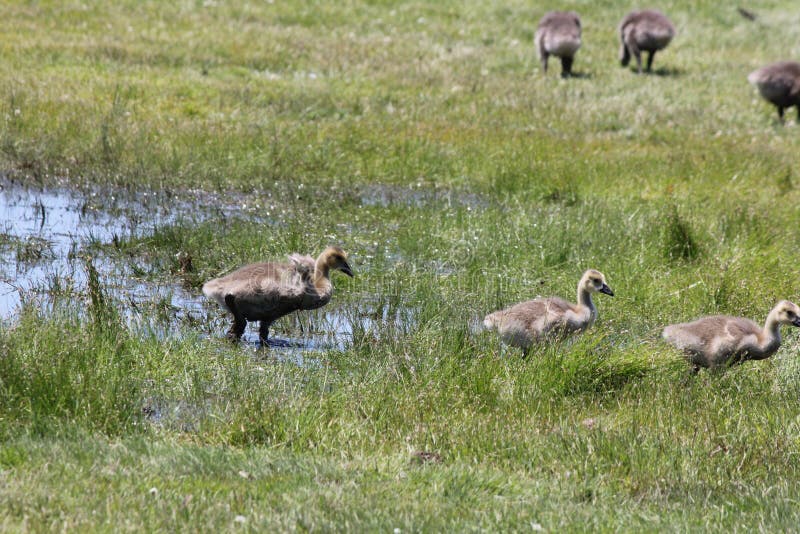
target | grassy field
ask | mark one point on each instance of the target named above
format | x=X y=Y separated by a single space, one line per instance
x=423 y=139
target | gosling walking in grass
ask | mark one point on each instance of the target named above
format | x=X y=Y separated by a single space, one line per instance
x=527 y=323
x=647 y=30
x=559 y=34
x=779 y=84
x=266 y=292
x=720 y=340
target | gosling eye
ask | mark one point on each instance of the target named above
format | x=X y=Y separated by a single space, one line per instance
x=790 y=314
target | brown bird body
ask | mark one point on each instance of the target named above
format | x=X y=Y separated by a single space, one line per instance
x=722 y=340
x=527 y=323
x=647 y=30
x=559 y=34
x=779 y=84
x=266 y=292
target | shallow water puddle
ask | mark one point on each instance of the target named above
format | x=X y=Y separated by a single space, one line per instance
x=47 y=235
x=43 y=233
x=385 y=195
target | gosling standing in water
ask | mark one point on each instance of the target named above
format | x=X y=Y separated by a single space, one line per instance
x=721 y=340
x=529 y=322
x=559 y=34
x=779 y=84
x=267 y=291
x=647 y=30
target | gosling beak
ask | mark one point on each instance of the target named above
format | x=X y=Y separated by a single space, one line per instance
x=345 y=268
x=796 y=320
x=607 y=290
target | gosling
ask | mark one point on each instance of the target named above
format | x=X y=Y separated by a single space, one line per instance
x=266 y=292
x=533 y=321
x=646 y=30
x=724 y=341
x=559 y=34
x=779 y=84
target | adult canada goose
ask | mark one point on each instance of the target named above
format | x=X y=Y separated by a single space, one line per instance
x=559 y=34
x=647 y=30
x=528 y=322
x=779 y=83
x=721 y=340
x=267 y=291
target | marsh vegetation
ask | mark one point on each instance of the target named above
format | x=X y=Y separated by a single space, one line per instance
x=183 y=140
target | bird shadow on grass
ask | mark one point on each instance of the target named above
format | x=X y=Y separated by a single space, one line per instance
x=662 y=72
x=580 y=75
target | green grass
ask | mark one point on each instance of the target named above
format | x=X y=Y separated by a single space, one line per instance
x=422 y=138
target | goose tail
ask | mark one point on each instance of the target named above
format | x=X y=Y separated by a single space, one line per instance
x=492 y=321
x=208 y=288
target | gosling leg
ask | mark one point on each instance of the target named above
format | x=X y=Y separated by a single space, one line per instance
x=650 y=57
x=263 y=332
x=633 y=50
x=689 y=377
x=239 y=322
x=624 y=55
x=566 y=67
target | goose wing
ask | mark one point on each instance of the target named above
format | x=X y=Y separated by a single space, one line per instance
x=697 y=336
x=744 y=335
x=739 y=327
x=540 y=315
x=777 y=81
x=714 y=336
x=265 y=291
x=304 y=265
